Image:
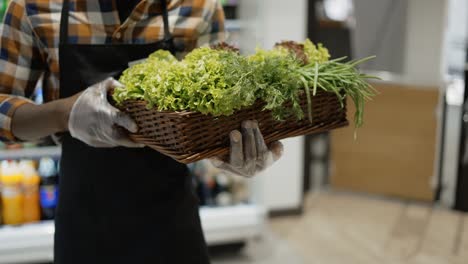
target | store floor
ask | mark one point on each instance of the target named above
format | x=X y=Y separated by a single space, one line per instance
x=341 y=228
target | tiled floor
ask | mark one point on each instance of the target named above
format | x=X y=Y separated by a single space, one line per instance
x=269 y=250
x=345 y=228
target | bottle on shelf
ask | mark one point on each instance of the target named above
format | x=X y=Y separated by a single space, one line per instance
x=222 y=190
x=214 y=187
x=48 y=188
x=31 y=207
x=12 y=196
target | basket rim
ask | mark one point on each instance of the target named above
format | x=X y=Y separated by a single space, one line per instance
x=162 y=138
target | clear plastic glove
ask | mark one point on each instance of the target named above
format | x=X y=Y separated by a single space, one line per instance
x=249 y=153
x=96 y=122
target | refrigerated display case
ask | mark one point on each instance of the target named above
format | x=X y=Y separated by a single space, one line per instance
x=224 y=221
x=224 y=225
x=228 y=215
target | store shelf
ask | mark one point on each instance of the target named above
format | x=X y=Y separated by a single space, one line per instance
x=27 y=243
x=30 y=153
x=34 y=242
x=232 y=224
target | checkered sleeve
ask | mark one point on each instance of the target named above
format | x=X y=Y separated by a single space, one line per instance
x=21 y=64
x=215 y=31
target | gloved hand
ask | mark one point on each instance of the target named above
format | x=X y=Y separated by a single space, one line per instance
x=96 y=122
x=249 y=153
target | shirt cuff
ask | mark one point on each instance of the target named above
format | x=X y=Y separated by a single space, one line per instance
x=8 y=106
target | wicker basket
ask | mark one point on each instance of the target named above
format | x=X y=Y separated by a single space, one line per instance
x=190 y=136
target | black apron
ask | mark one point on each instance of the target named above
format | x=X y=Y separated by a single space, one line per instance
x=120 y=205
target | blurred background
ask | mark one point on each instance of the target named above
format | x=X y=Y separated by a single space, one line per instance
x=396 y=194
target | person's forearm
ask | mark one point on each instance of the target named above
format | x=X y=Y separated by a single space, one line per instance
x=33 y=122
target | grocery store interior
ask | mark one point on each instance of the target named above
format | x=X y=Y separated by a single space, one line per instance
x=393 y=191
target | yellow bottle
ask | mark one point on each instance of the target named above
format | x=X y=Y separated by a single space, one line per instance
x=12 y=197
x=30 y=184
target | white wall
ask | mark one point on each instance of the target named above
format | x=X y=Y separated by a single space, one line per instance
x=284 y=20
x=265 y=22
x=406 y=35
x=280 y=186
x=380 y=30
x=424 y=41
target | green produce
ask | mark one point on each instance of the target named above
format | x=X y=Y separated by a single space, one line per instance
x=207 y=81
x=343 y=79
x=219 y=81
x=278 y=80
x=314 y=53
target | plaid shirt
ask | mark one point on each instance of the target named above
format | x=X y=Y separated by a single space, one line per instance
x=30 y=37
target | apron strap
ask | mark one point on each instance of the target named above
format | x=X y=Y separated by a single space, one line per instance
x=167 y=33
x=66 y=11
x=64 y=22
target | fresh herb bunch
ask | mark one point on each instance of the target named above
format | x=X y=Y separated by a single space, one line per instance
x=283 y=73
x=219 y=81
x=277 y=75
x=341 y=78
